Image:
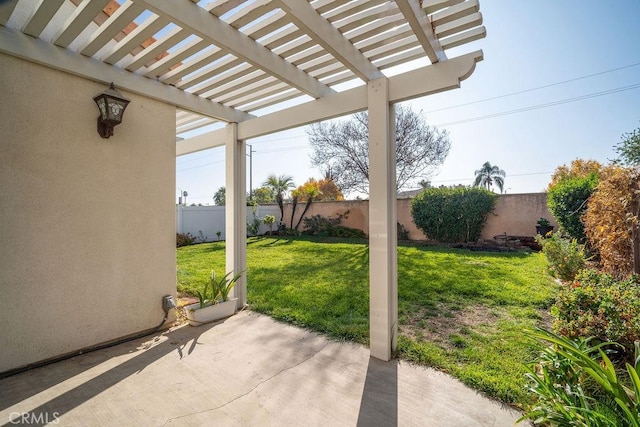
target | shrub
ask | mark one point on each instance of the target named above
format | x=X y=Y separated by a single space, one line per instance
x=269 y=220
x=253 y=226
x=609 y=220
x=185 y=239
x=567 y=201
x=578 y=168
x=574 y=383
x=403 y=233
x=597 y=305
x=347 y=232
x=452 y=215
x=565 y=257
x=318 y=225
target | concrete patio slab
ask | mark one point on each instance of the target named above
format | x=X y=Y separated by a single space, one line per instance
x=248 y=370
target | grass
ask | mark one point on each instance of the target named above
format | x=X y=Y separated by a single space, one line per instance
x=462 y=312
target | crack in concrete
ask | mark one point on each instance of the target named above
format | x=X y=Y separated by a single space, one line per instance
x=311 y=356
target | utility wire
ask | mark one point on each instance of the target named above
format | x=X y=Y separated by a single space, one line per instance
x=533 y=89
x=507 y=176
x=200 y=166
x=538 y=106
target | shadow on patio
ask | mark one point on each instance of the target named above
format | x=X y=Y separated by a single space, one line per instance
x=248 y=370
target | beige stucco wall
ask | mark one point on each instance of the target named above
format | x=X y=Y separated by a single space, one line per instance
x=357 y=217
x=517 y=215
x=514 y=214
x=86 y=224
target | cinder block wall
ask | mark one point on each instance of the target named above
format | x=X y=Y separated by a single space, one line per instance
x=514 y=214
x=87 y=238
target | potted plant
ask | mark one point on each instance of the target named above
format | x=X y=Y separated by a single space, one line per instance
x=543 y=226
x=214 y=302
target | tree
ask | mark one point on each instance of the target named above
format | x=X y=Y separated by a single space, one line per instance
x=307 y=193
x=324 y=190
x=329 y=191
x=567 y=202
x=264 y=195
x=343 y=148
x=280 y=185
x=219 y=198
x=578 y=168
x=629 y=148
x=488 y=175
x=567 y=195
x=611 y=217
x=424 y=184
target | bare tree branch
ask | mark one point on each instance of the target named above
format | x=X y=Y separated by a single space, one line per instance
x=343 y=147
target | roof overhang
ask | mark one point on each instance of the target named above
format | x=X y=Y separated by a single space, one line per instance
x=247 y=61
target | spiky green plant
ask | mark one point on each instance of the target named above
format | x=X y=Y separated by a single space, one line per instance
x=575 y=383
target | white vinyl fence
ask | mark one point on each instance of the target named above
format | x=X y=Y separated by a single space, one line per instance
x=204 y=222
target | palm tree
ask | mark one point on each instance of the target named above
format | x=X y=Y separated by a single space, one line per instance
x=280 y=186
x=488 y=175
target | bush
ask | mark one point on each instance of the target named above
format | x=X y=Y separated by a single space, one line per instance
x=347 y=232
x=574 y=383
x=318 y=225
x=403 y=233
x=452 y=215
x=567 y=201
x=597 y=305
x=565 y=257
x=185 y=239
x=609 y=220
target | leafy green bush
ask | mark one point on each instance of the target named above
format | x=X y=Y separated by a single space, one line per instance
x=575 y=384
x=346 y=232
x=452 y=215
x=318 y=225
x=269 y=220
x=567 y=201
x=185 y=239
x=403 y=233
x=565 y=257
x=597 y=305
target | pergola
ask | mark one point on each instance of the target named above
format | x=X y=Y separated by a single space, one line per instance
x=247 y=68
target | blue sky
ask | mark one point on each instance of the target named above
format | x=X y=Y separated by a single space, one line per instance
x=529 y=45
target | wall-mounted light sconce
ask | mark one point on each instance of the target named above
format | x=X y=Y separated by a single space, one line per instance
x=111 y=104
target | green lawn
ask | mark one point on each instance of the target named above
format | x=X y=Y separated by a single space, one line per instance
x=460 y=311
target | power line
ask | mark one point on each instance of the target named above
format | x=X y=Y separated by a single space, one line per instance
x=200 y=166
x=278 y=150
x=274 y=150
x=538 y=106
x=533 y=89
x=507 y=176
x=278 y=139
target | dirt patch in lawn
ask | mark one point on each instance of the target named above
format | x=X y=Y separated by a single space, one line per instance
x=446 y=326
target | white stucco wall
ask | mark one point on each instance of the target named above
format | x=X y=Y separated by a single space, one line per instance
x=87 y=238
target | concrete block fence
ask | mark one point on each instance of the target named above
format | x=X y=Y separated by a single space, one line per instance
x=514 y=214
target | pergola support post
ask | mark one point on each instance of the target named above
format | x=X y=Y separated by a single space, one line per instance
x=236 y=210
x=383 y=260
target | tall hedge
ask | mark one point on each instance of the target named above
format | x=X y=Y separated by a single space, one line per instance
x=567 y=201
x=610 y=217
x=452 y=215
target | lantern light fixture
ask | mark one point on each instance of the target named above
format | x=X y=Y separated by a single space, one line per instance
x=111 y=104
